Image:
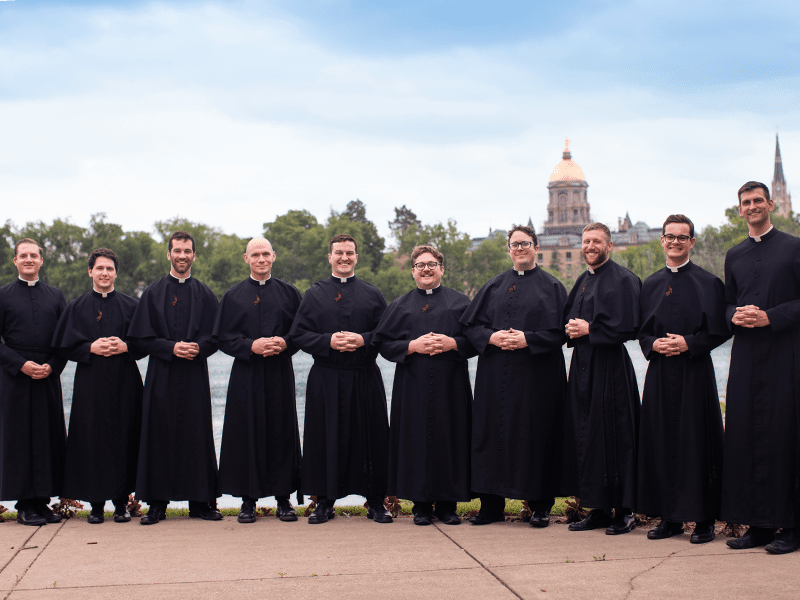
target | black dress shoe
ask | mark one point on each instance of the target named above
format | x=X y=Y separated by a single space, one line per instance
x=624 y=524
x=203 y=510
x=379 y=515
x=247 y=514
x=121 y=514
x=665 y=529
x=755 y=536
x=322 y=513
x=284 y=511
x=703 y=532
x=485 y=518
x=540 y=518
x=156 y=513
x=97 y=514
x=596 y=519
x=448 y=517
x=47 y=513
x=423 y=518
x=785 y=542
x=28 y=516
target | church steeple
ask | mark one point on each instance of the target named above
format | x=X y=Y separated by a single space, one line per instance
x=780 y=195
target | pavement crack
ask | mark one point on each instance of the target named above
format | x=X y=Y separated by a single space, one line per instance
x=20 y=548
x=473 y=557
x=38 y=554
x=648 y=569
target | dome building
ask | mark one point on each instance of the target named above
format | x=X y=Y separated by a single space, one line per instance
x=568 y=207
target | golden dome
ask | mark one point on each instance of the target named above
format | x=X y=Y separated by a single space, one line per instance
x=567 y=169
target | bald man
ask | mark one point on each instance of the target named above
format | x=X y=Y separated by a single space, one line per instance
x=260 y=453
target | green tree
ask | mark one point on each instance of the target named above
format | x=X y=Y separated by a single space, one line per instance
x=222 y=265
x=301 y=248
x=643 y=260
x=404 y=221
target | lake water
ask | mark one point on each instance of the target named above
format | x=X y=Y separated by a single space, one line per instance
x=219 y=369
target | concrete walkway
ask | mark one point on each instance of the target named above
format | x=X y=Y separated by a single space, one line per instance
x=356 y=558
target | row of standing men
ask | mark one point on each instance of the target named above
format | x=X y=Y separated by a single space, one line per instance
x=529 y=433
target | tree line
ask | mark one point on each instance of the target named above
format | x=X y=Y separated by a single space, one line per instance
x=301 y=244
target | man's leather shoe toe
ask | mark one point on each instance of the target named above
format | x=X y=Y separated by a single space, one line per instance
x=665 y=529
x=207 y=513
x=540 y=518
x=96 y=517
x=485 y=518
x=121 y=514
x=285 y=512
x=449 y=517
x=48 y=514
x=596 y=519
x=379 y=515
x=154 y=515
x=754 y=538
x=28 y=516
x=703 y=533
x=785 y=542
x=322 y=514
x=422 y=518
x=247 y=514
x=624 y=525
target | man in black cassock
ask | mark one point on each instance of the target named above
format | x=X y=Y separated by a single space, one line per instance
x=762 y=450
x=260 y=454
x=173 y=323
x=680 y=437
x=106 y=416
x=430 y=425
x=346 y=437
x=515 y=324
x=32 y=430
x=602 y=313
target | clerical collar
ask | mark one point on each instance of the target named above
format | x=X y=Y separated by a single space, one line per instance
x=343 y=279
x=523 y=273
x=103 y=294
x=598 y=268
x=757 y=238
x=30 y=283
x=430 y=291
x=679 y=267
x=179 y=280
x=261 y=282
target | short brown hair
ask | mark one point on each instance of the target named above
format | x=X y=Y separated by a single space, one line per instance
x=181 y=235
x=339 y=238
x=678 y=219
x=526 y=230
x=753 y=185
x=105 y=253
x=27 y=241
x=422 y=249
x=601 y=227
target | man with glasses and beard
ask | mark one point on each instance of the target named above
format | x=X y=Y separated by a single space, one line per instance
x=762 y=449
x=173 y=323
x=602 y=313
x=680 y=440
x=431 y=398
x=515 y=324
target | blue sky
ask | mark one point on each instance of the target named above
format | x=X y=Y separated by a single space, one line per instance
x=233 y=113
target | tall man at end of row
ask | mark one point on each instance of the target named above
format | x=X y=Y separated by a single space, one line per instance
x=260 y=454
x=762 y=448
x=429 y=460
x=173 y=323
x=602 y=313
x=680 y=442
x=106 y=414
x=346 y=433
x=515 y=323
x=32 y=430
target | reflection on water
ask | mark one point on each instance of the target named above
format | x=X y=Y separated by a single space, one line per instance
x=219 y=368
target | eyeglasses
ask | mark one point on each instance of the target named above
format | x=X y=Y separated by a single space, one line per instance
x=431 y=265
x=681 y=239
x=523 y=245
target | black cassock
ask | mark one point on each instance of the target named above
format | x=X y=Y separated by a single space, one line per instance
x=32 y=429
x=431 y=398
x=346 y=436
x=680 y=436
x=106 y=416
x=760 y=473
x=518 y=412
x=603 y=397
x=177 y=460
x=260 y=454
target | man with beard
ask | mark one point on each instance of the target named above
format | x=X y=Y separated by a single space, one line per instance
x=32 y=431
x=260 y=453
x=105 y=420
x=173 y=323
x=431 y=399
x=346 y=433
x=515 y=324
x=602 y=313
x=680 y=441
x=762 y=450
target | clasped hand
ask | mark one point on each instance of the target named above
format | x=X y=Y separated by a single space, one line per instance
x=35 y=370
x=108 y=346
x=672 y=345
x=576 y=328
x=346 y=341
x=432 y=343
x=187 y=350
x=750 y=316
x=268 y=346
x=508 y=339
